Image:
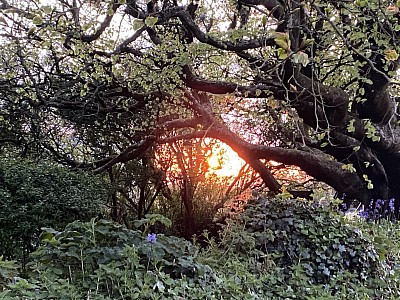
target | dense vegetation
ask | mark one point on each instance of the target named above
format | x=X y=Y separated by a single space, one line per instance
x=111 y=112
x=96 y=84
x=42 y=195
x=277 y=249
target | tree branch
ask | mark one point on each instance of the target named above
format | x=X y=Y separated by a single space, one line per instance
x=107 y=21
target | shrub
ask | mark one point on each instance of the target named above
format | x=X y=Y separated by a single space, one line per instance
x=104 y=260
x=35 y=195
x=274 y=250
x=313 y=249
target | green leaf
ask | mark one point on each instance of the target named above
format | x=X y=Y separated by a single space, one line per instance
x=306 y=43
x=282 y=54
x=137 y=24
x=391 y=55
x=159 y=285
x=351 y=127
x=264 y=20
x=37 y=20
x=362 y=3
x=47 y=9
x=151 y=21
x=283 y=44
x=349 y=167
x=110 y=11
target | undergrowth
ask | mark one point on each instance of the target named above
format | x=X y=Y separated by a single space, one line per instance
x=276 y=249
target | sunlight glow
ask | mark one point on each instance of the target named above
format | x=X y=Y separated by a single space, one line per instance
x=224 y=162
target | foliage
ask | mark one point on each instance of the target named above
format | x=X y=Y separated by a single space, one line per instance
x=35 y=195
x=274 y=251
x=103 y=260
x=310 y=83
x=315 y=252
x=300 y=232
x=196 y=192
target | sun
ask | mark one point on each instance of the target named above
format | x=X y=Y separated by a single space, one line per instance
x=224 y=162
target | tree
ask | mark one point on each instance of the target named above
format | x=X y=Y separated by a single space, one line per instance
x=196 y=192
x=315 y=81
x=136 y=186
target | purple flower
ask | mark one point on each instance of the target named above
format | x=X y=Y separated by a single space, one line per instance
x=151 y=238
x=391 y=205
x=364 y=214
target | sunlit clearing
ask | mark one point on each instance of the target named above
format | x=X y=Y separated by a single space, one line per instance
x=224 y=162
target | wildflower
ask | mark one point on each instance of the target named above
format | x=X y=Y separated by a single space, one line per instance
x=364 y=214
x=343 y=207
x=378 y=204
x=371 y=203
x=151 y=238
x=391 y=205
x=343 y=196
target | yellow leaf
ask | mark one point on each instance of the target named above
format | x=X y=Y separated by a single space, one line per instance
x=391 y=55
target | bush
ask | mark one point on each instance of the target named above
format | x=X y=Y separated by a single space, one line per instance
x=313 y=250
x=35 y=195
x=104 y=260
x=277 y=249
